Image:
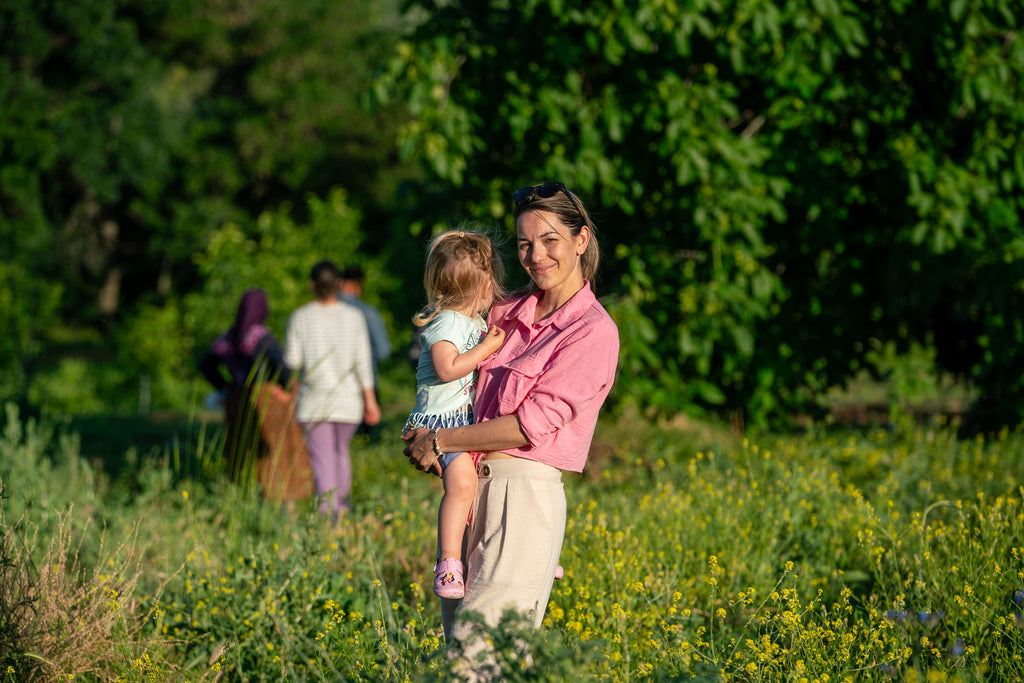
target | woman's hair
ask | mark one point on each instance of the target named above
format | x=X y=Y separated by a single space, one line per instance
x=324 y=277
x=571 y=212
x=459 y=265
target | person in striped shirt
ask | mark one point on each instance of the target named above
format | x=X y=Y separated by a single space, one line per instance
x=328 y=345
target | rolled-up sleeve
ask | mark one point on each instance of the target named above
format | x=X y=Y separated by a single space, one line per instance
x=577 y=375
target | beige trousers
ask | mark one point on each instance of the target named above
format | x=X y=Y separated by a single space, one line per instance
x=511 y=548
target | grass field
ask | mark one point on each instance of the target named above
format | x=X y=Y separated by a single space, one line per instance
x=883 y=554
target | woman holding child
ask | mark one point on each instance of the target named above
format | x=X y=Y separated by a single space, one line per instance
x=536 y=408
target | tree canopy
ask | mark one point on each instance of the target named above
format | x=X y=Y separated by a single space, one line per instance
x=783 y=187
x=132 y=134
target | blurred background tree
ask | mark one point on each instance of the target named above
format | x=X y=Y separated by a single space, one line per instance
x=785 y=192
x=132 y=136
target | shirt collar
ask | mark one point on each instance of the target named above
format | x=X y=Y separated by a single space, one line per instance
x=570 y=311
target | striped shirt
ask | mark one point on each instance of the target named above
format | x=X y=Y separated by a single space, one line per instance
x=328 y=344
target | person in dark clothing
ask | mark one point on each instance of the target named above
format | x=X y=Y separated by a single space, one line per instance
x=246 y=341
x=350 y=290
x=239 y=364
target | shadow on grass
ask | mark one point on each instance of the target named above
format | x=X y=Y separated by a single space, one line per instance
x=118 y=444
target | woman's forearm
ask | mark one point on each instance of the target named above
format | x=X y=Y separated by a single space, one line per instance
x=493 y=435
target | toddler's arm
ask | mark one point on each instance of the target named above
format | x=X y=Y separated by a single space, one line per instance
x=450 y=365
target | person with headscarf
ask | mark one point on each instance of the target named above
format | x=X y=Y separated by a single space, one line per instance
x=239 y=363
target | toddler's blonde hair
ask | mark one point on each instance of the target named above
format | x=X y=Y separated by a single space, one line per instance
x=459 y=265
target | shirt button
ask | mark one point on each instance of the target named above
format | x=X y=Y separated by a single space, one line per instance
x=485 y=470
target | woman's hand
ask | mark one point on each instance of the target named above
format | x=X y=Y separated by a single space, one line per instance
x=419 y=448
x=371 y=414
x=371 y=409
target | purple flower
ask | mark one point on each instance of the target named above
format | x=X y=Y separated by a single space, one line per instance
x=958 y=647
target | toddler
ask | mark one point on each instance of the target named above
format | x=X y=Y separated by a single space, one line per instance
x=462 y=280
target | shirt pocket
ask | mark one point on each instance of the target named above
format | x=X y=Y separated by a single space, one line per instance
x=521 y=376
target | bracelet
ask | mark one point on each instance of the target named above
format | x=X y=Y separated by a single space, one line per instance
x=437 y=449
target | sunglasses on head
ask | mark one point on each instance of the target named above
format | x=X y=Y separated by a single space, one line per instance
x=544 y=191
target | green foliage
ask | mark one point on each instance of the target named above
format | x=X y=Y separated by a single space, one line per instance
x=85 y=150
x=130 y=135
x=156 y=347
x=28 y=310
x=276 y=253
x=780 y=186
x=923 y=211
x=781 y=189
x=37 y=453
x=77 y=387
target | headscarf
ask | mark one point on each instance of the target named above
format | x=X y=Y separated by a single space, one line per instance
x=252 y=312
x=236 y=346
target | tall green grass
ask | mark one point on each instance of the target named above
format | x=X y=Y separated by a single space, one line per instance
x=889 y=555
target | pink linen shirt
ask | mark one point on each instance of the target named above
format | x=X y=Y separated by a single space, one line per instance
x=554 y=374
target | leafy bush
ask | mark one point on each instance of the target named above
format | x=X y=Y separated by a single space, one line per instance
x=28 y=310
x=37 y=453
x=83 y=387
x=276 y=253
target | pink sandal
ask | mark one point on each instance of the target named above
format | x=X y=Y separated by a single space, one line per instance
x=448 y=581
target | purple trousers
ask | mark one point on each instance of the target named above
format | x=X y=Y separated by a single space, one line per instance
x=327 y=443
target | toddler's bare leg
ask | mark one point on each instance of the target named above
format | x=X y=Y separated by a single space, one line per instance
x=459 y=490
